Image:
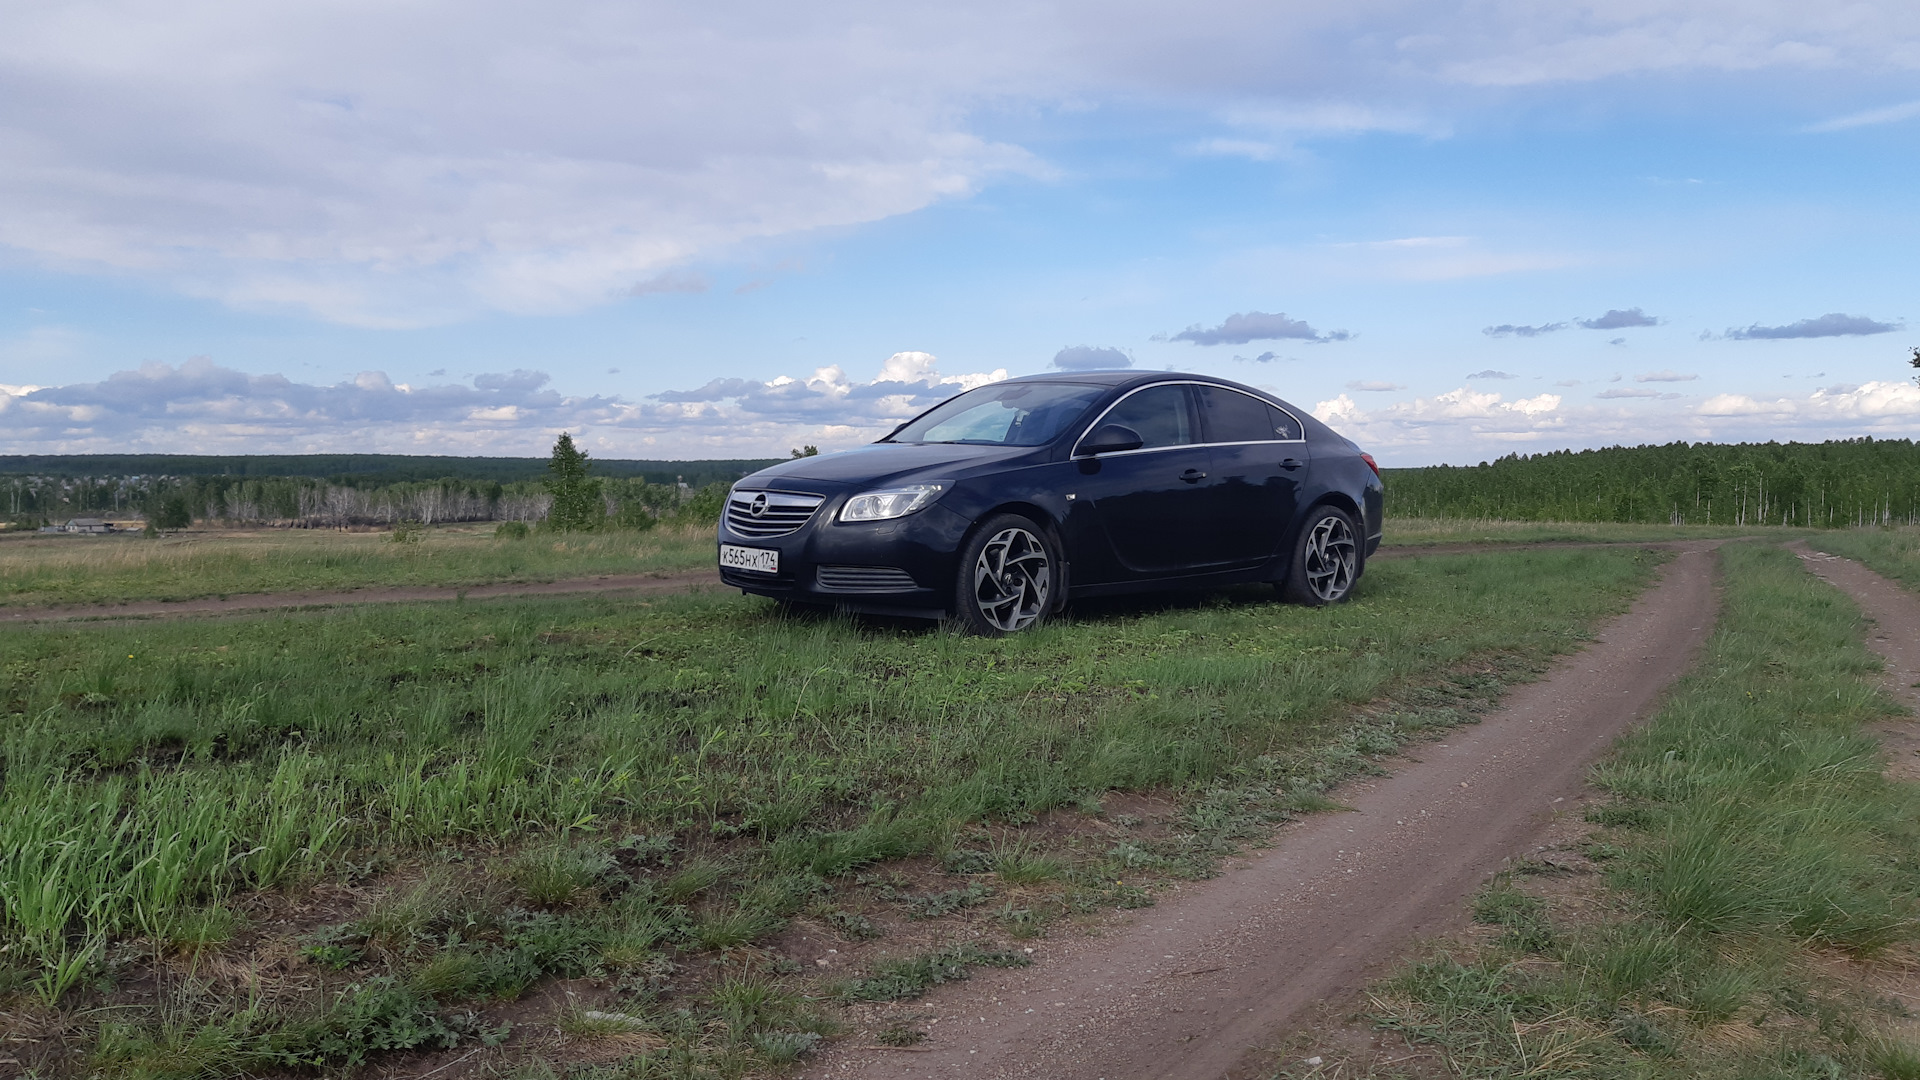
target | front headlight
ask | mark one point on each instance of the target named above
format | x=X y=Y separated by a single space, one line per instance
x=890 y=502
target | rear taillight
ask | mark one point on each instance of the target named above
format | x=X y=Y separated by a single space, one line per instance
x=1371 y=464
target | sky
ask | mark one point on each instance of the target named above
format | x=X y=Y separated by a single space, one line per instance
x=1452 y=230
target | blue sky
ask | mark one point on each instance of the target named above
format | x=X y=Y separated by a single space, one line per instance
x=680 y=231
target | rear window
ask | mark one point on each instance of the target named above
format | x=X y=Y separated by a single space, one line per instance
x=1236 y=417
x=1003 y=414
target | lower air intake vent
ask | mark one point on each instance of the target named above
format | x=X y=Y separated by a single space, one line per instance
x=865 y=579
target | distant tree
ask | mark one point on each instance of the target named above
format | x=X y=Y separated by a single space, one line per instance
x=1916 y=363
x=173 y=512
x=704 y=504
x=814 y=451
x=576 y=498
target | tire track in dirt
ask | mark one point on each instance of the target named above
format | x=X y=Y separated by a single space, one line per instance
x=1895 y=636
x=1191 y=989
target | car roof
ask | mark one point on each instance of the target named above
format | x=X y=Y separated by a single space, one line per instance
x=1127 y=378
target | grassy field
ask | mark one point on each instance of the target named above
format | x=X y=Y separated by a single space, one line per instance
x=1755 y=863
x=1894 y=553
x=314 y=840
x=42 y=570
x=1429 y=532
x=38 y=571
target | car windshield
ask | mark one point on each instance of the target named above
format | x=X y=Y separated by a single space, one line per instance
x=1003 y=414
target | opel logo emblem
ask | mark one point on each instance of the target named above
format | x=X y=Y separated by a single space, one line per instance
x=758 y=508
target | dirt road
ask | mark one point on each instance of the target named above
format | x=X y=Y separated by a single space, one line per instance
x=1895 y=636
x=1188 y=989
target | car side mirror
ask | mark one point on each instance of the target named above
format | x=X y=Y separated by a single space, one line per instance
x=1111 y=439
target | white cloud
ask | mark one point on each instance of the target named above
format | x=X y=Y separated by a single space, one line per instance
x=1444 y=417
x=1891 y=114
x=1874 y=401
x=420 y=161
x=1090 y=358
x=1334 y=117
x=202 y=407
x=1251 y=149
x=1465 y=426
x=1524 y=44
x=1244 y=327
x=1744 y=405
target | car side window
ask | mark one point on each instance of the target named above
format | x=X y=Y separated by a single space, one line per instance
x=1161 y=414
x=1284 y=426
x=1234 y=417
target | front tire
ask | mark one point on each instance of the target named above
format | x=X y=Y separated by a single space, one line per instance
x=1326 y=559
x=1007 y=574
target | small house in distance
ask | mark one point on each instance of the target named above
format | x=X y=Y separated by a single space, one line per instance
x=82 y=525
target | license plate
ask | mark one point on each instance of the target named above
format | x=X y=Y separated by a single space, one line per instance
x=758 y=560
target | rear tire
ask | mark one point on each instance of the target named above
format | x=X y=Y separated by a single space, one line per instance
x=1326 y=559
x=1006 y=577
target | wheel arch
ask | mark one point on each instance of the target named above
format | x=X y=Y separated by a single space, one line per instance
x=1335 y=498
x=1041 y=517
x=1342 y=500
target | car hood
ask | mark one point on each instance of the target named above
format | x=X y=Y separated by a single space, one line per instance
x=884 y=463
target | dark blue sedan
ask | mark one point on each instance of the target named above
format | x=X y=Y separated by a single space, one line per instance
x=997 y=506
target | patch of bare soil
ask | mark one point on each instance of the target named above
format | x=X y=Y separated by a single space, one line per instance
x=1895 y=636
x=1194 y=987
x=1337 y=1040
x=678 y=581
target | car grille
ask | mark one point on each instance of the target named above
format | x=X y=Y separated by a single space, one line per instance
x=865 y=579
x=780 y=513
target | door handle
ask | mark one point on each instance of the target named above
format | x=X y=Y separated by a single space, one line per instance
x=1193 y=476
x=1291 y=463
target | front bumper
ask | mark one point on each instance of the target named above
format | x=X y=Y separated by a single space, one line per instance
x=903 y=566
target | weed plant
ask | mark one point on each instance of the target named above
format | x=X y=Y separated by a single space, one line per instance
x=1752 y=832
x=637 y=791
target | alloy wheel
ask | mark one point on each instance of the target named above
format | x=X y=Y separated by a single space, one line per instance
x=1330 y=557
x=1012 y=580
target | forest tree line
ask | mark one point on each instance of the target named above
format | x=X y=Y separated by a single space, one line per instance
x=174 y=502
x=1844 y=483
x=1826 y=485
x=362 y=470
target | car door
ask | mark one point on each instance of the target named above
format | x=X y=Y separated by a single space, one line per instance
x=1150 y=503
x=1258 y=459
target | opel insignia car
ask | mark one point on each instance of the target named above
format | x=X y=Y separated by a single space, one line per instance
x=998 y=505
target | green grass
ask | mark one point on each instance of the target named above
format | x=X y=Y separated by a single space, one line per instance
x=633 y=790
x=37 y=571
x=1893 y=553
x=912 y=976
x=1752 y=830
x=1427 y=532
